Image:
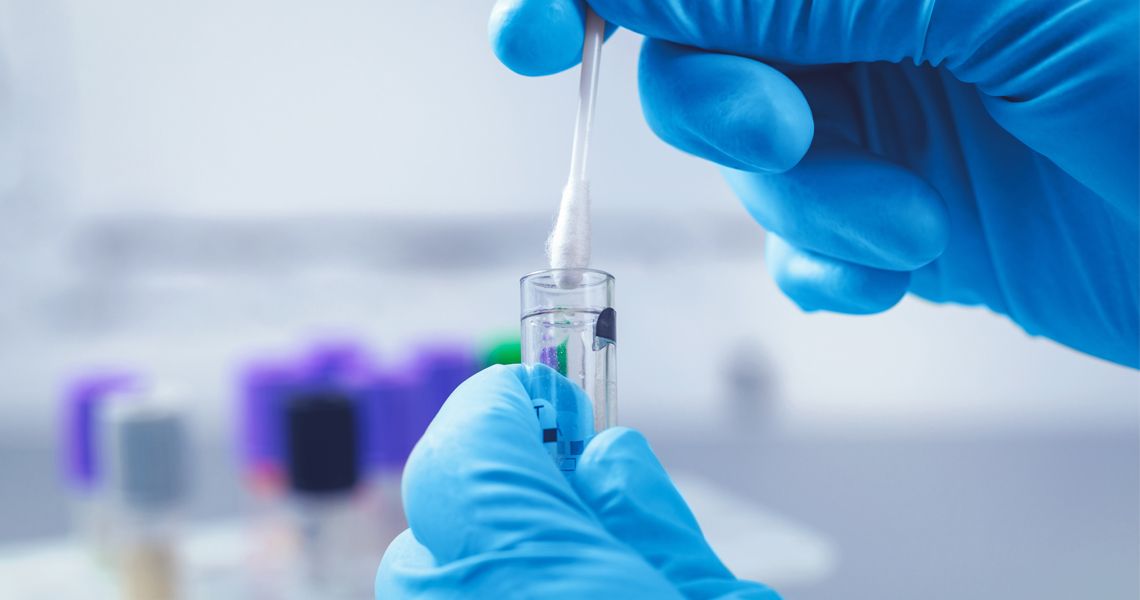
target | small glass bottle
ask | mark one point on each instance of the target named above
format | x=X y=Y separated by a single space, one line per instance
x=569 y=329
x=145 y=444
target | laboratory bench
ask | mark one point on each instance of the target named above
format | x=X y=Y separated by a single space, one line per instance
x=941 y=516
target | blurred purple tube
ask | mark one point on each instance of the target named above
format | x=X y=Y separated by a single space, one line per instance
x=82 y=401
x=344 y=367
x=401 y=402
x=390 y=405
x=396 y=404
x=441 y=367
x=338 y=362
x=269 y=383
x=264 y=385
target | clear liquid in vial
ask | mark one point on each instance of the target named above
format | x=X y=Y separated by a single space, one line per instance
x=570 y=410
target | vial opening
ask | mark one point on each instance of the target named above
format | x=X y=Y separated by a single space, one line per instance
x=592 y=290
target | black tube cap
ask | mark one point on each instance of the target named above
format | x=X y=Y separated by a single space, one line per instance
x=322 y=448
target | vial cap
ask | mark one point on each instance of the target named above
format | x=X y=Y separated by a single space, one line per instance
x=322 y=442
x=146 y=445
x=340 y=362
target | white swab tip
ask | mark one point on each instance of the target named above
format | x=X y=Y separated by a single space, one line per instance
x=569 y=244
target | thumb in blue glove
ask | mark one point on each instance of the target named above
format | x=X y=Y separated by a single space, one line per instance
x=490 y=514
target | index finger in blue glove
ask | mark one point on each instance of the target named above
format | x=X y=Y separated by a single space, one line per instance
x=480 y=480
x=817 y=282
x=491 y=515
x=728 y=109
x=841 y=200
x=629 y=491
x=844 y=202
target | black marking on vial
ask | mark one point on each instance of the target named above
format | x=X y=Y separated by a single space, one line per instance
x=549 y=435
x=605 y=329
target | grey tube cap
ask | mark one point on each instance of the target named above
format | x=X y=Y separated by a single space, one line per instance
x=146 y=447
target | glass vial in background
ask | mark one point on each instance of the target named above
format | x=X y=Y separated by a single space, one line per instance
x=146 y=448
x=749 y=387
x=323 y=469
x=570 y=331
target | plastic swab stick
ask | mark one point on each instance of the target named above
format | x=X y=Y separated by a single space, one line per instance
x=569 y=244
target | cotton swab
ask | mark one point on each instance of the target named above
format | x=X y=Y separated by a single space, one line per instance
x=568 y=246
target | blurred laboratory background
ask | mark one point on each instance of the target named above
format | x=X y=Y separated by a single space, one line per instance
x=230 y=228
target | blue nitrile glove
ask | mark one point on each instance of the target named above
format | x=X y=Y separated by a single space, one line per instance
x=491 y=516
x=1001 y=170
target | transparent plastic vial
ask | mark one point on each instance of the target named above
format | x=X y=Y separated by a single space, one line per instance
x=569 y=328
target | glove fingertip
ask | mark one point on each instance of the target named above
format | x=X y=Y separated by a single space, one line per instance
x=735 y=111
x=816 y=282
x=613 y=445
x=620 y=460
x=620 y=435
x=536 y=38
